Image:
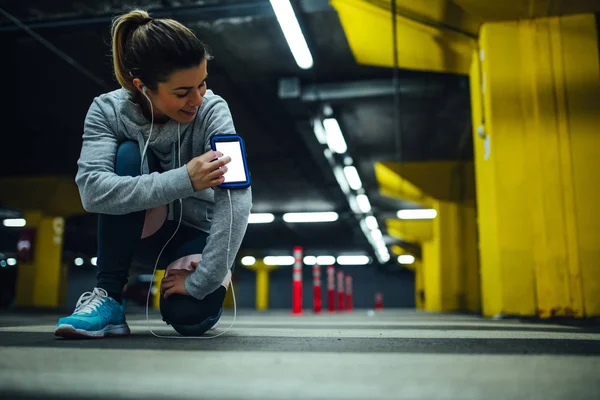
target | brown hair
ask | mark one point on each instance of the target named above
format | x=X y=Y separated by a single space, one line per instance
x=152 y=49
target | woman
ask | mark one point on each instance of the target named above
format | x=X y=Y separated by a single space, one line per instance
x=147 y=169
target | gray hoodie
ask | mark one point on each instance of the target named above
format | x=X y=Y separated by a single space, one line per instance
x=113 y=118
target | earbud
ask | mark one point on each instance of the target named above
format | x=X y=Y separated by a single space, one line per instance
x=144 y=90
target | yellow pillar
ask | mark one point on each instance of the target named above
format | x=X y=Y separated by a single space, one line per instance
x=262 y=283
x=419 y=289
x=448 y=274
x=158 y=277
x=41 y=282
x=262 y=289
x=535 y=87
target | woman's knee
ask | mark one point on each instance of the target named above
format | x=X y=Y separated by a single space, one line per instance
x=128 y=159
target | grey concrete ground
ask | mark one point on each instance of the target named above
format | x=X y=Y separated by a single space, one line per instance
x=394 y=354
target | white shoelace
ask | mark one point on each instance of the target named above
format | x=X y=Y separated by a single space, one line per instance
x=90 y=301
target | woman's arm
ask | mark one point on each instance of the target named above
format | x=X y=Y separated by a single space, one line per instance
x=102 y=191
x=213 y=268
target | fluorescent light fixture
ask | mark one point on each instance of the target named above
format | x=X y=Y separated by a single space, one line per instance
x=261 y=218
x=363 y=203
x=371 y=222
x=335 y=138
x=11 y=261
x=338 y=172
x=353 y=260
x=292 y=32
x=310 y=260
x=406 y=259
x=385 y=257
x=329 y=216
x=248 y=260
x=426 y=213
x=325 y=260
x=94 y=260
x=376 y=235
x=14 y=222
x=279 y=260
x=319 y=131
x=352 y=177
x=79 y=261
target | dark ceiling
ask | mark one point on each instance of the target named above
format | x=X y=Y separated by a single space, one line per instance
x=46 y=98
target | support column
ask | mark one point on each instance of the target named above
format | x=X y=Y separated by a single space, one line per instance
x=535 y=87
x=158 y=277
x=41 y=280
x=262 y=283
x=448 y=275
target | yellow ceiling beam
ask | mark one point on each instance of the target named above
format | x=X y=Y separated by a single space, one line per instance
x=410 y=230
x=52 y=195
x=422 y=42
x=506 y=10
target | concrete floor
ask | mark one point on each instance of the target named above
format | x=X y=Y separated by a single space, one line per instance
x=394 y=354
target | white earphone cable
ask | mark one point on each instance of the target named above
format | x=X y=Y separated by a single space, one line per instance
x=173 y=235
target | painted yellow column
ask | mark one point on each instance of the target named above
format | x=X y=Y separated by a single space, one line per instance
x=41 y=282
x=262 y=283
x=535 y=91
x=262 y=289
x=419 y=289
x=448 y=275
x=158 y=277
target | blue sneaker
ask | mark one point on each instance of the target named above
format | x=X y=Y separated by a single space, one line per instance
x=96 y=315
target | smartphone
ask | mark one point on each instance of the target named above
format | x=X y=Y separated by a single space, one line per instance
x=237 y=175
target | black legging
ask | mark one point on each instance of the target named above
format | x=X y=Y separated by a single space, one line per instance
x=120 y=243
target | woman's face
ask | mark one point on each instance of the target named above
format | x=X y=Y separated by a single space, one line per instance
x=181 y=95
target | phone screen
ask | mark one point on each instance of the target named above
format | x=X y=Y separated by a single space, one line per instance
x=235 y=169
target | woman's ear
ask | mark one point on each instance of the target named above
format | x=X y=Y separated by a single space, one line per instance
x=137 y=82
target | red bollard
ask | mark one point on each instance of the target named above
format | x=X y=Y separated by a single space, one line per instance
x=340 y=290
x=378 y=301
x=297 y=282
x=349 y=305
x=331 y=288
x=317 y=301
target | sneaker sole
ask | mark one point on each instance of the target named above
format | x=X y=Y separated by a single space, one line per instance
x=215 y=326
x=70 y=332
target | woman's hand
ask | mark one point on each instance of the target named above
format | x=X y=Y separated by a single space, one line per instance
x=205 y=173
x=174 y=283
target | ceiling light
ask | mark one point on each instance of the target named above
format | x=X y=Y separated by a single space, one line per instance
x=376 y=235
x=335 y=138
x=319 y=131
x=94 y=260
x=383 y=257
x=353 y=260
x=371 y=222
x=325 y=260
x=311 y=217
x=261 y=218
x=279 y=260
x=341 y=179
x=310 y=260
x=79 y=261
x=11 y=261
x=352 y=177
x=363 y=203
x=14 y=222
x=406 y=259
x=417 y=214
x=248 y=260
x=292 y=32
